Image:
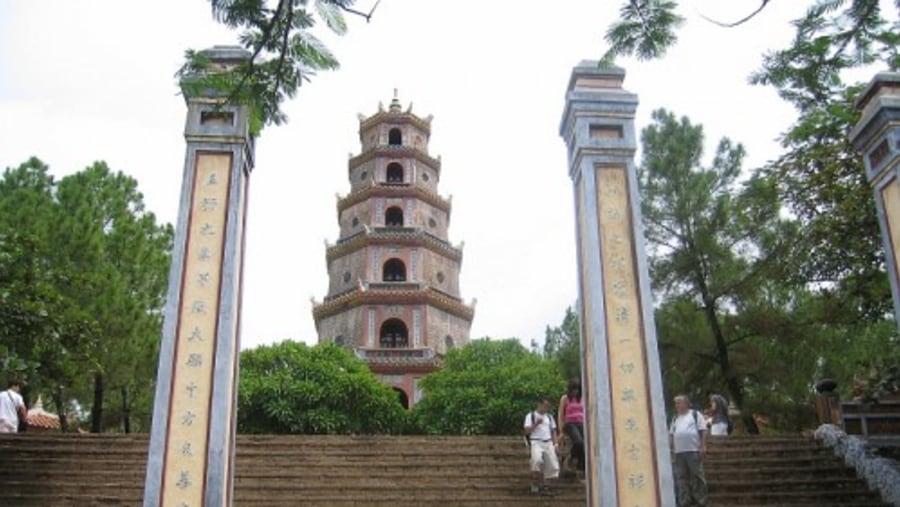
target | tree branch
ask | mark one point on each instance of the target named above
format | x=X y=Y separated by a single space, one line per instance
x=739 y=22
x=368 y=16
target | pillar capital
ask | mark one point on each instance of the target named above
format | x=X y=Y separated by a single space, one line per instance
x=598 y=119
x=877 y=138
x=629 y=460
x=877 y=135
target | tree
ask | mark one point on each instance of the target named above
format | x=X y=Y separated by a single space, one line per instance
x=833 y=35
x=562 y=344
x=486 y=388
x=284 y=53
x=44 y=336
x=714 y=244
x=291 y=387
x=84 y=270
x=118 y=258
x=822 y=181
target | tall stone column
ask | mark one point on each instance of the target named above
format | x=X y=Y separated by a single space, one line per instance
x=191 y=454
x=877 y=138
x=627 y=442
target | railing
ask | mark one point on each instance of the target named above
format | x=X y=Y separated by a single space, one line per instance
x=396 y=354
x=395 y=285
x=864 y=418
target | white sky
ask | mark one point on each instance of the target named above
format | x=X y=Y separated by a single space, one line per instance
x=86 y=81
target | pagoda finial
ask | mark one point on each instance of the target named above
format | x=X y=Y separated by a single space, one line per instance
x=395 y=103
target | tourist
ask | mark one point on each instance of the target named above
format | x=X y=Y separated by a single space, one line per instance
x=12 y=408
x=720 y=425
x=688 y=437
x=541 y=431
x=571 y=415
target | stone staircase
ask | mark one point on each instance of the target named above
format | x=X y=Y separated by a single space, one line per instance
x=341 y=471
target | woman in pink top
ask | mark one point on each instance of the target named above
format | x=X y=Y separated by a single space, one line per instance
x=571 y=420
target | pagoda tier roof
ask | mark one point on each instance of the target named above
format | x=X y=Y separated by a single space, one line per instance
x=394 y=190
x=395 y=151
x=405 y=236
x=391 y=296
x=395 y=117
x=387 y=360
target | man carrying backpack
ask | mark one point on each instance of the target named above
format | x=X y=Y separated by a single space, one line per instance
x=12 y=408
x=540 y=428
x=688 y=437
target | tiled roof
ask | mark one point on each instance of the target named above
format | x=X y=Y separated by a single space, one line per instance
x=416 y=191
x=426 y=295
x=38 y=418
x=402 y=236
x=397 y=118
x=395 y=151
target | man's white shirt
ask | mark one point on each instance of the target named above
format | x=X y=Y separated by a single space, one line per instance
x=10 y=401
x=544 y=430
x=686 y=430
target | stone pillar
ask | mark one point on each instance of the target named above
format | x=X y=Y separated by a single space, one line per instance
x=191 y=456
x=627 y=442
x=877 y=138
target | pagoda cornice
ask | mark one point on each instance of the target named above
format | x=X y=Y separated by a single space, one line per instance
x=395 y=151
x=393 y=190
x=395 y=118
x=362 y=296
x=405 y=236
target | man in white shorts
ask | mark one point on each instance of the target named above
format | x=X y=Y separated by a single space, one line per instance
x=541 y=431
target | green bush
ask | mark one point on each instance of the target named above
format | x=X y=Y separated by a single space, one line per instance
x=291 y=387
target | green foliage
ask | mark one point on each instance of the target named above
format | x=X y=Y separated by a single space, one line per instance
x=833 y=36
x=821 y=179
x=562 y=344
x=486 y=388
x=290 y=387
x=714 y=245
x=645 y=29
x=83 y=269
x=284 y=53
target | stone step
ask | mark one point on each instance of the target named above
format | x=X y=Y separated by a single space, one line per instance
x=519 y=499
x=818 y=497
x=341 y=471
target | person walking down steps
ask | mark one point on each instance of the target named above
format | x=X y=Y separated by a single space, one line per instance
x=571 y=415
x=540 y=428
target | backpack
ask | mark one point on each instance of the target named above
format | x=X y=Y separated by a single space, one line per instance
x=526 y=437
x=696 y=422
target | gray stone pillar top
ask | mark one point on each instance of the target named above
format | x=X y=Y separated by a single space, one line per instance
x=590 y=75
x=880 y=104
x=596 y=91
x=883 y=83
x=221 y=59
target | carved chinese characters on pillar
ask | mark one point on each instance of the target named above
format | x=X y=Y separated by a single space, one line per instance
x=890 y=196
x=632 y=428
x=186 y=444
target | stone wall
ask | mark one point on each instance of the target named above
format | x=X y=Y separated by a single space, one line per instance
x=440 y=325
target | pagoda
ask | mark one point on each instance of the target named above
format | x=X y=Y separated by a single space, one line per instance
x=393 y=292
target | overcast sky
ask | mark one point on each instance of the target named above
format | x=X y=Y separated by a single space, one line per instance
x=93 y=80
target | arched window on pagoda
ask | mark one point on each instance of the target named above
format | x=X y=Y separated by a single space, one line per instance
x=393 y=217
x=394 y=271
x=402 y=397
x=395 y=137
x=394 y=173
x=394 y=334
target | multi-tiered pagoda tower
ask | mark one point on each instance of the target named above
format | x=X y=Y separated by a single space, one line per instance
x=393 y=293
